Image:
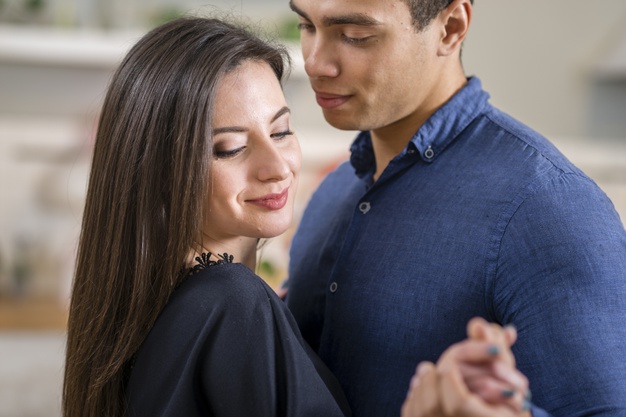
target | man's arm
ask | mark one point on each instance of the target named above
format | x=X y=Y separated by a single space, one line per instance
x=561 y=280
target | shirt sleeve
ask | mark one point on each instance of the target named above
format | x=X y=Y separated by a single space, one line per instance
x=256 y=364
x=562 y=281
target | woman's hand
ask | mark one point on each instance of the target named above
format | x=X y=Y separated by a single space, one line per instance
x=496 y=381
x=476 y=377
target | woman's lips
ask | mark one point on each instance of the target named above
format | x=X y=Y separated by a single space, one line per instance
x=272 y=201
x=330 y=101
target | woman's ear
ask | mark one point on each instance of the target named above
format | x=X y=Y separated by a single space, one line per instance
x=455 y=20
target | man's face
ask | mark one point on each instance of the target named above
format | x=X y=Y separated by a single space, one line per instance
x=368 y=65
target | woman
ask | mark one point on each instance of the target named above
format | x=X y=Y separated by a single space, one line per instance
x=194 y=162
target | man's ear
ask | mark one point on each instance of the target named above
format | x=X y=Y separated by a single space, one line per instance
x=455 y=21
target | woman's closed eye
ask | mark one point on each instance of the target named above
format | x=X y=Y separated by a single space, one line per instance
x=227 y=153
x=281 y=135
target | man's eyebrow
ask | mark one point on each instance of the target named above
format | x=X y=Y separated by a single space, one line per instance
x=297 y=10
x=238 y=129
x=358 y=19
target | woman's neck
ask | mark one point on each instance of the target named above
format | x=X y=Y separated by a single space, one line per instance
x=242 y=249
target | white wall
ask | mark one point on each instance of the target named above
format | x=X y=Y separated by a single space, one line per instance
x=537 y=59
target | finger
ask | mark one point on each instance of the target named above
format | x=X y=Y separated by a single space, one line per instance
x=476 y=359
x=477 y=328
x=480 y=329
x=497 y=392
x=496 y=383
x=510 y=332
x=497 y=371
x=472 y=351
x=422 y=399
x=456 y=400
x=454 y=392
x=497 y=334
x=503 y=337
x=428 y=396
x=511 y=376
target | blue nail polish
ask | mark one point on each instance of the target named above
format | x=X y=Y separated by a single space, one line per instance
x=507 y=393
x=526 y=405
x=493 y=350
x=528 y=396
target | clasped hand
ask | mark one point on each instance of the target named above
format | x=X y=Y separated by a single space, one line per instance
x=473 y=378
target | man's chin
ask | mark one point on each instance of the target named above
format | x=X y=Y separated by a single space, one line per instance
x=341 y=121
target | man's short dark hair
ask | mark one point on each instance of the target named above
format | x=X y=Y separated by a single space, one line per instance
x=424 y=11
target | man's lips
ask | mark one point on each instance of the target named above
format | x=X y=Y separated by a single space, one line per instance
x=271 y=201
x=330 y=101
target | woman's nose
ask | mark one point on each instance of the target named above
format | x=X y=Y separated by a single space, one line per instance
x=272 y=163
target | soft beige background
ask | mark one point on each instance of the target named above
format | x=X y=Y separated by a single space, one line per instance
x=558 y=65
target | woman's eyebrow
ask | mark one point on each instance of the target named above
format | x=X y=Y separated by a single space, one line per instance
x=239 y=129
x=280 y=113
x=230 y=129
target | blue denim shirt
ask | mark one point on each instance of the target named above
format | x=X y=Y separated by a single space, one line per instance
x=478 y=216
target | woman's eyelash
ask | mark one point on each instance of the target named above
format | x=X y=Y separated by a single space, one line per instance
x=281 y=135
x=228 y=153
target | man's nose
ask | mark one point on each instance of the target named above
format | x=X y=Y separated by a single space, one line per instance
x=320 y=59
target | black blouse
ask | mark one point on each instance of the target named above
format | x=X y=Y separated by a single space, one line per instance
x=226 y=345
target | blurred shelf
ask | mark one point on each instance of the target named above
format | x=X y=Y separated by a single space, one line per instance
x=64 y=47
x=32 y=313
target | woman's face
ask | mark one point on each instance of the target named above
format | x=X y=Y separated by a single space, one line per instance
x=256 y=158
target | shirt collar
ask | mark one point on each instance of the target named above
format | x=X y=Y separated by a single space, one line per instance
x=432 y=137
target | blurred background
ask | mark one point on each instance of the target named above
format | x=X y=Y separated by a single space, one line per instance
x=559 y=66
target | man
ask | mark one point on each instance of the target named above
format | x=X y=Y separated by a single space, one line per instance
x=447 y=209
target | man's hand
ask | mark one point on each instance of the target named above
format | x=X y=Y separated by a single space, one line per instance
x=475 y=377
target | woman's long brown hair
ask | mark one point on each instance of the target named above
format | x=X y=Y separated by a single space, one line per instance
x=145 y=198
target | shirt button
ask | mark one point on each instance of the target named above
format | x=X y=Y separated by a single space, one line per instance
x=365 y=207
x=411 y=151
x=333 y=287
x=429 y=153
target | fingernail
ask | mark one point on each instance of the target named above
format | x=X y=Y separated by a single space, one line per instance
x=507 y=393
x=493 y=350
x=528 y=396
x=526 y=405
x=510 y=326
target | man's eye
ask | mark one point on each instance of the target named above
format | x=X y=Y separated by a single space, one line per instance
x=305 y=26
x=355 y=41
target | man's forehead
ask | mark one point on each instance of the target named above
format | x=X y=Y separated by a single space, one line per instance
x=332 y=12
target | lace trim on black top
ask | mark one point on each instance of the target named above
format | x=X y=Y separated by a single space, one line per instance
x=204 y=261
